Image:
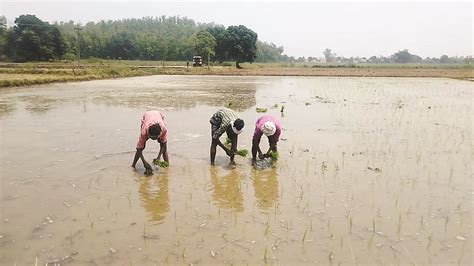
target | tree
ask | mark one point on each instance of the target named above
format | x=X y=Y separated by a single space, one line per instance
x=33 y=39
x=329 y=55
x=122 y=46
x=268 y=52
x=444 y=59
x=241 y=44
x=405 y=57
x=3 y=35
x=204 y=44
x=219 y=34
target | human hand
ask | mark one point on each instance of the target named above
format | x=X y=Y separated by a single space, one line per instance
x=229 y=152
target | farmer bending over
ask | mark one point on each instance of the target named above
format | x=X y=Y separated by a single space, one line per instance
x=269 y=126
x=225 y=120
x=153 y=127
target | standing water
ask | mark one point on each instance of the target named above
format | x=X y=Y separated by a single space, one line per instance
x=370 y=170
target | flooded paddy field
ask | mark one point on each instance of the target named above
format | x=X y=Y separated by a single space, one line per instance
x=370 y=171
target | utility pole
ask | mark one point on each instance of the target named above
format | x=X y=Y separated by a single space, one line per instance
x=208 y=60
x=78 y=46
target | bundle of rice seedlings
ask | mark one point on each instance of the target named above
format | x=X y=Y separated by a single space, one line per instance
x=274 y=155
x=242 y=153
x=161 y=164
x=261 y=110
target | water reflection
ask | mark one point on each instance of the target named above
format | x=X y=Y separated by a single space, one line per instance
x=163 y=92
x=226 y=188
x=239 y=98
x=153 y=193
x=265 y=183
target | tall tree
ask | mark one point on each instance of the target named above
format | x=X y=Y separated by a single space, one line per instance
x=219 y=34
x=268 y=52
x=405 y=57
x=122 y=46
x=3 y=35
x=329 y=55
x=33 y=39
x=204 y=44
x=242 y=44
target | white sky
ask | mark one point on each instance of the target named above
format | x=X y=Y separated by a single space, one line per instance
x=304 y=28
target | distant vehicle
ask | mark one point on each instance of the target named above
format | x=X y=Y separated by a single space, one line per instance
x=197 y=61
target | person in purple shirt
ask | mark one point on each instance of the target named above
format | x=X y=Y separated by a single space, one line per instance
x=269 y=126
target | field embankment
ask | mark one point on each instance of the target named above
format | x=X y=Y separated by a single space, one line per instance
x=24 y=74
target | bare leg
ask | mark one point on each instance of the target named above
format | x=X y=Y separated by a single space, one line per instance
x=213 y=151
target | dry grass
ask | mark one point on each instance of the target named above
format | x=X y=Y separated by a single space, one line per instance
x=41 y=73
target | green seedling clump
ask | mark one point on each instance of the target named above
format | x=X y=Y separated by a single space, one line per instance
x=261 y=110
x=274 y=155
x=162 y=164
x=242 y=153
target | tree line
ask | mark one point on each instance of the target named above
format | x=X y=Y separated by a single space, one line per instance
x=162 y=38
x=399 y=57
x=148 y=38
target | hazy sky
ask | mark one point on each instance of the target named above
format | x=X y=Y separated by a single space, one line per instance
x=304 y=28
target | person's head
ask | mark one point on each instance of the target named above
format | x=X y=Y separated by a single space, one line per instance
x=154 y=131
x=268 y=128
x=238 y=126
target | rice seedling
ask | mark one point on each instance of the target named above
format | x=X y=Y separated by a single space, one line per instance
x=242 y=152
x=161 y=164
x=267 y=228
x=399 y=224
x=274 y=155
x=304 y=236
x=430 y=238
x=350 y=225
x=261 y=110
x=421 y=223
x=265 y=254
x=373 y=226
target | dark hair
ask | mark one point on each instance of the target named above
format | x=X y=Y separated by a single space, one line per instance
x=239 y=124
x=154 y=130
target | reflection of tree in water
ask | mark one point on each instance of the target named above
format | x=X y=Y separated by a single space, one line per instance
x=265 y=183
x=240 y=96
x=227 y=193
x=153 y=193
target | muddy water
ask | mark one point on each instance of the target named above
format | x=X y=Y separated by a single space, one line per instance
x=371 y=170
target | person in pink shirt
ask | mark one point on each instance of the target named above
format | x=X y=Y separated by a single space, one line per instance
x=153 y=127
x=269 y=126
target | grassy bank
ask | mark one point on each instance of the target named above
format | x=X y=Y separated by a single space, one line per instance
x=25 y=74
